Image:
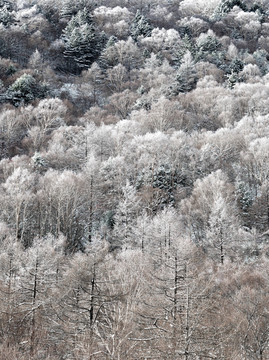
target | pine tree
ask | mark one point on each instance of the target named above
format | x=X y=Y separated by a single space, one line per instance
x=24 y=90
x=186 y=77
x=236 y=66
x=109 y=56
x=209 y=49
x=261 y=60
x=82 y=43
x=71 y=8
x=187 y=44
x=140 y=26
x=226 y=6
x=6 y=15
x=232 y=79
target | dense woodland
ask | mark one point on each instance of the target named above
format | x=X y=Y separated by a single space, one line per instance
x=134 y=179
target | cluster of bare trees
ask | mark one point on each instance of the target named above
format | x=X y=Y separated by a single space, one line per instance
x=169 y=303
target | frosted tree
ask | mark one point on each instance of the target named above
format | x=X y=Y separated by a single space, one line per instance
x=204 y=7
x=117 y=78
x=220 y=233
x=212 y=216
x=108 y=56
x=225 y=6
x=162 y=233
x=61 y=204
x=140 y=26
x=209 y=48
x=49 y=114
x=39 y=272
x=255 y=160
x=186 y=77
x=25 y=89
x=80 y=299
x=175 y=303
x=12 y=331
x=245 y=196
x=125 y=52
x=70 y=8
x=121 y=103
x=114 y=20
x=12 y=128
x=236 y=65
x=81 y=40
x=125 y=216
x=6 y=15
x=186 y=44
x=93 y=197
x=163 y=115
x=254 y=175
x=19 y=196
x=95 y=77
x=161 y=40
x=207 y=43
x=117 y=333
x=260 y=57
x=232 y=79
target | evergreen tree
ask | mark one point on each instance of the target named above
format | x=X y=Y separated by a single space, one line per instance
x=236 y=66
x=6 y=17
x=165 y=179
x=261 y=60
x=208 y=47
x=257 y=8
x=6 y=13
x=7 y=4
x=232 y=79
x=24 y=90
x=82 y=43
x=226 y=6
x=186 y=77
x=109 y=57
x=187 y=44
x=71 y=8
x=140 y=26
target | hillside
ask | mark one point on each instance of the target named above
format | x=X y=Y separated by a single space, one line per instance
x=134 y=179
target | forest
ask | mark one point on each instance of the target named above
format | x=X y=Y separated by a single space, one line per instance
x=134 y=180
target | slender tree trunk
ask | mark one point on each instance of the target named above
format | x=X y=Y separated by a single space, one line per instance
x=9 y=311
x=221 y=248
x=221 y=254
x=92 y=298
x=90 y=212
x=187 y=338
x=175 y=295
x=33 y=323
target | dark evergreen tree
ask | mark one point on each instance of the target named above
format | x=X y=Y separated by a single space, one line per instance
x=207 y=47
x=257 y=8
x=71 y=8
x=25 y=89
x=186 y=77
x=226 y=6
x=232 y=79
x=7 y=4
x=261 y=60
x=107 y=56
x=82 y=42
x=236 y=66
x=6 y=13
x=186 y=45
x=140 y=26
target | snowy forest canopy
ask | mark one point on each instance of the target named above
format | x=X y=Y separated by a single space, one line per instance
x=134 y=179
